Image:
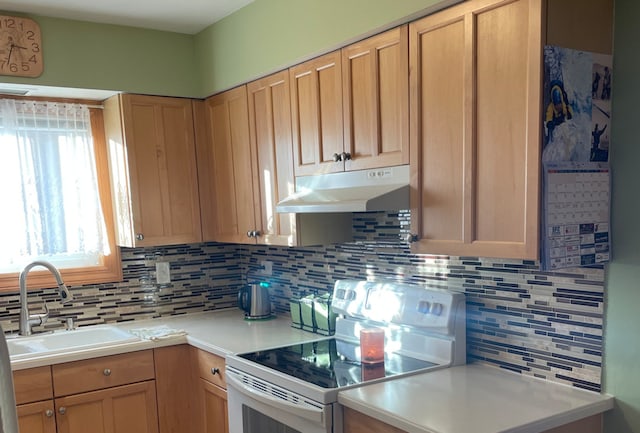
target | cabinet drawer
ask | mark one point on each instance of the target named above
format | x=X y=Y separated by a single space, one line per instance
x=32 y=384
x=104 y=372
x=207 y=363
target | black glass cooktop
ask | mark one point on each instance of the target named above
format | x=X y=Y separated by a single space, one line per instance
x=332 y=363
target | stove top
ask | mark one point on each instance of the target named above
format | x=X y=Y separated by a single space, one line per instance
x=330 y=364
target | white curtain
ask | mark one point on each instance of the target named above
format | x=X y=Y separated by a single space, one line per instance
x=48 y=186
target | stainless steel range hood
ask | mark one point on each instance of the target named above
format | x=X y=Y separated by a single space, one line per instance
x=354 y=191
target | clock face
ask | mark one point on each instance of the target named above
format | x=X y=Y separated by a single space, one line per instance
x=20 y=47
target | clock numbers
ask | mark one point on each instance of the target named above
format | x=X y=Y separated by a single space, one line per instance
x=8 y=23
x=20 y=47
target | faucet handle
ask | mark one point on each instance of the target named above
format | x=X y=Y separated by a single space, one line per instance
x=40 y=319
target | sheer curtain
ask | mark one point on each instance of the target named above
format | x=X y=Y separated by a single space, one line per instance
x=49 y=187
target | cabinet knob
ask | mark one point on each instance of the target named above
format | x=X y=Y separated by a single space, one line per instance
x=253 y=233
x=48 y=413
x=215 y=371
x=107 y=372
x=411 y=238
x=62 y=410
x=337 y=158
x=345 y=156
x=139 y=237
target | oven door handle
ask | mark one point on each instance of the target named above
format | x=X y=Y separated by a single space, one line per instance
x=312 y=414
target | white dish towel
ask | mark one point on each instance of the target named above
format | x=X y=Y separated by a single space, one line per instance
x=157 y=333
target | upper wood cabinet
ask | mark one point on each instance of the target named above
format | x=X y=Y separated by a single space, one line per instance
x=375 y=88
x=225 y=166
x=350 y=107
x=270 y=135
x=316 y=114
x=476 y=73
x=152 y=160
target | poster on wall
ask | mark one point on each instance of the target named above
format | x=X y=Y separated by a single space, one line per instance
x=576 y=178
x=577 y=101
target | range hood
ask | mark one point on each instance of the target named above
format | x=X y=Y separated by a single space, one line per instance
x=353 y=191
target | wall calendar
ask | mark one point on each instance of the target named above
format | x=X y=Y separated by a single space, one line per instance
x=576 y=214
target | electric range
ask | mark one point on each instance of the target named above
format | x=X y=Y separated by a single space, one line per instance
x=295 y=387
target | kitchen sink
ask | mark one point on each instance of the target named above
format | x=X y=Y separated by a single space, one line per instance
x=67 y=341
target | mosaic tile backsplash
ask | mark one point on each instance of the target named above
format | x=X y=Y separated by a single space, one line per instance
x=544 y=324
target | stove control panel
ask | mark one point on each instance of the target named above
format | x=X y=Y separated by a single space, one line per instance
x=398 y=303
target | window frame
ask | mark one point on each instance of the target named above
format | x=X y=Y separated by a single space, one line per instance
x=110 y=268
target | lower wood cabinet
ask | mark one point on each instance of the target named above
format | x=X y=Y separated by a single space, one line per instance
x=122 y=409
x=34 y=399
x=213 y=412
x=191 y=390
x=38 y=417
x=173 y=389
x=111 y=394
x=211 y=392
x=357 y=422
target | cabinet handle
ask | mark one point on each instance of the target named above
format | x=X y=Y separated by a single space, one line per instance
x=215 y=371
x=411 y=238
x=253 y=233
x=62 y=410
x=139 y=237
x=48 y=413
x=107 y=372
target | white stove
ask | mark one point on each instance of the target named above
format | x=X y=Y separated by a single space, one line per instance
x=295 y=388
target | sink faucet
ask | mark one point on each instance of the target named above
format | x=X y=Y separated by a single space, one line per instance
x=26 y=319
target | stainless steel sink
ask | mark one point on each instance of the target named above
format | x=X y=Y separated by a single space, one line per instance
x=66 y=341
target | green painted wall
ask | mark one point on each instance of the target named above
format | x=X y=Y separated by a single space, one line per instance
x=269 y=35
x=272 y=34
x=622 y=325
x=94 y=56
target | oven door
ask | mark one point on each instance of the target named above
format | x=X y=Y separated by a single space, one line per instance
x=257 y=406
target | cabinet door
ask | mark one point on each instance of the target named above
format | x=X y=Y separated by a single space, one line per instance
x=316 y=114
x=375 y=85
x=214 y=406
x=357 y=422
x=225 y=169
x=153 y=168
x=37 y=417
x=174 y=389
x=123 y=409
x=475 y=129
x=270 y=127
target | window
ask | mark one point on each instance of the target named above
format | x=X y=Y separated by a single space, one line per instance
x=54 y=177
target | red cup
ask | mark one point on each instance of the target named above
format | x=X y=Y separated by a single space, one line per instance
x=372 y=345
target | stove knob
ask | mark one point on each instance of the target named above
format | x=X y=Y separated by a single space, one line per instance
x=424 y=307
x=436 y=309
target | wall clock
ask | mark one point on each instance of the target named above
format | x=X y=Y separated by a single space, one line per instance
x=20 y=47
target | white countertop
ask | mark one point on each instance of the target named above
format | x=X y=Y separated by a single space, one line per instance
x=221 y=332
x=469 y=398
x=474 y=398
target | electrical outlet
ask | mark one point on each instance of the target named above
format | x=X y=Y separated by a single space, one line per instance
x=163 y=273
x=267 y=267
